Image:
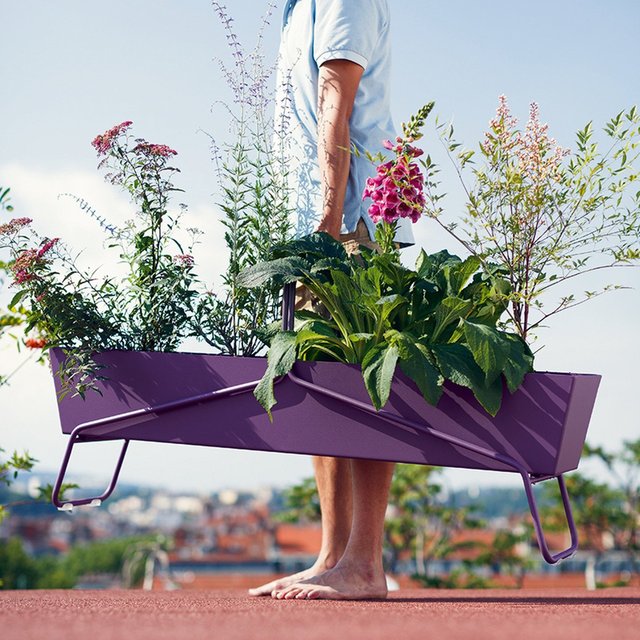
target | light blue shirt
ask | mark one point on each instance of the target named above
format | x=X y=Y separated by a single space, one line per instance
x=313 y=32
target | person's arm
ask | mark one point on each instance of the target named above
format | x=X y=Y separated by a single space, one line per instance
x=337 y=86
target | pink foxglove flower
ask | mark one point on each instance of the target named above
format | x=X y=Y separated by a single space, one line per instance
x=396 y=191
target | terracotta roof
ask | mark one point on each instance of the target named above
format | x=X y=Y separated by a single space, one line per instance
x=298 y=539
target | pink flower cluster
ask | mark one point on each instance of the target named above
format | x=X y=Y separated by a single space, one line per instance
x=23 y=265
x=396 y=190
x=102 y=143
x=149 y=149
x=28 y=259
x=14 y=225
x=538 y=155
x=184 y=260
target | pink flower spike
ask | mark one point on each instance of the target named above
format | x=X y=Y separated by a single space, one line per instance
x=387 y=144
x=47 y=246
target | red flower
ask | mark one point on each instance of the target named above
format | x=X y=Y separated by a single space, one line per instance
x=35 y=343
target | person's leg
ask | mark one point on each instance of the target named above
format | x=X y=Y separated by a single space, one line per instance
x=333 y=475
x=333 y=479
x=359 y=573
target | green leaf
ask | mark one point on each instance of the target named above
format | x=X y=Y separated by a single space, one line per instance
x=16 y=298
x=489 y=347
x=317 y=245
x=281 y=357
x=416 y=363
x=389 y=304
x=282 y=269
x=449 y=310
x=457 y=275
x=457 y=364
x=519 y=361
x=360 y=337
x=428 y=266
x=378 y=367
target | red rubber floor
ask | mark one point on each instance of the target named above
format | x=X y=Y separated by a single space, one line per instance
x=212 y=615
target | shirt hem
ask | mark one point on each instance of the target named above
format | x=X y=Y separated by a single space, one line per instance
x=342 y=54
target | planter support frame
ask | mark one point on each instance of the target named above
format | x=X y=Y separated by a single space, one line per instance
x=83 y=433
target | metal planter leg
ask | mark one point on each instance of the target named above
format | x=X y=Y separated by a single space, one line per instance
x=551 y=558
x=96 y=501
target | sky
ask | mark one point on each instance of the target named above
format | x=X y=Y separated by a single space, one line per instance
x=71 y=69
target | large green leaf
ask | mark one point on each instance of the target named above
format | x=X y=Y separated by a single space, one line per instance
x=457 y=364
x=281 y=270
x=489 y=347
x=428 y=266
x=416 y=362
x=519 y=361
x=449 y=310
x=280 y=359
x=389 y=304
x=330 y=263
x=378 y=367
x=457 y=275
x=320 y=336
x=317 y=245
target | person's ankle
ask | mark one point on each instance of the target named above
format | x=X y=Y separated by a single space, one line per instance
x=328 y=560
x=366 y=568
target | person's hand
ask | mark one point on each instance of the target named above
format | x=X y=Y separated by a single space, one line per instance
x=331 y=226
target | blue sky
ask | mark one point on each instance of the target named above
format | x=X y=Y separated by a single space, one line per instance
x=71 y=69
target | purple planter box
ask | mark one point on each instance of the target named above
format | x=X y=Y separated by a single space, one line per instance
x=323 y=409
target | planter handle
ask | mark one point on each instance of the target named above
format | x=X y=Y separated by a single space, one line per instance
x=288 y=306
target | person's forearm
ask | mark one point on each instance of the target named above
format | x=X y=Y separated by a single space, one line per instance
x=334 y=160
x=337 y=86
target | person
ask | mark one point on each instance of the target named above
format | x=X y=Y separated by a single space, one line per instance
x=335 y=56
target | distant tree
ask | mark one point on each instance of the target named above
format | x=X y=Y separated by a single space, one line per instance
x=17 y=569
x=421 y=521
x=302 y=503
x=502 y=555
x=623 y=467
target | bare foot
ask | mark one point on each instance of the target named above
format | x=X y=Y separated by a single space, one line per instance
x=272 y=587
x=343 y=582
